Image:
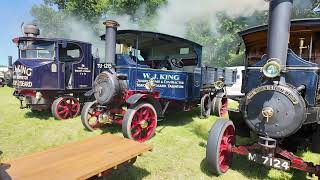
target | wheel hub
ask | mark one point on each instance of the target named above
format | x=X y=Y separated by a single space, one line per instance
x=144 y=124
x=104 y=119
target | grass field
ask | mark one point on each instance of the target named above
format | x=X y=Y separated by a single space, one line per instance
x=179 y=145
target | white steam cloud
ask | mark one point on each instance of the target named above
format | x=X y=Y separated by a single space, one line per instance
x=171 y=19
x=174 y=16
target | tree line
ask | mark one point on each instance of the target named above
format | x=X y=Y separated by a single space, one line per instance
x=220 y=44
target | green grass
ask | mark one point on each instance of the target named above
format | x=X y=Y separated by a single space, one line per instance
x=179 y=144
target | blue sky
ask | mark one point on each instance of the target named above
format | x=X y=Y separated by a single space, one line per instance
x=12 y=14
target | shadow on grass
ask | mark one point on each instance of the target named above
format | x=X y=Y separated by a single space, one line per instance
x=130 y=173
x=111 y=128
x=240 y=164
x=179 y=118
x=43 y=115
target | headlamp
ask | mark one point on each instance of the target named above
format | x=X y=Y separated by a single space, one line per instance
x=271 y=69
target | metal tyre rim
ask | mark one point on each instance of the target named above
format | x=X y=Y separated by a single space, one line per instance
x=140 y=122
x=66 y=108
x=221 y=140
x=205 y=106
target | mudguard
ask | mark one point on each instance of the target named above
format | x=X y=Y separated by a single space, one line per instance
x=146 y=98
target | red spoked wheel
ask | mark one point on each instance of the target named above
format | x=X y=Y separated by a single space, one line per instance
x=140 y=122
x=205 y=106
x=91 y=116
x=221 y=139
x=220 y=105
x=65 y=108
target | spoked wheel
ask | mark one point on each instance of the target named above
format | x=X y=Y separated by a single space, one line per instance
x=90 y=116
x=220 y=105
x=140 y=122
x=221 y=139
x=65 y=108
x=205 y=106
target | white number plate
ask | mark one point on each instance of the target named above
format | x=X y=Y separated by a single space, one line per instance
x=270 y=161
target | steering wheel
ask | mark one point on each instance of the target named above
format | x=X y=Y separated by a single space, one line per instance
x=177 y=62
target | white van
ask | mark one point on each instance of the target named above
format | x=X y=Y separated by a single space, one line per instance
x=235 y=89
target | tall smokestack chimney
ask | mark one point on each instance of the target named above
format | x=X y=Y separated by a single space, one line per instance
x=279 y=30
x=110 y=40
x=9 y=61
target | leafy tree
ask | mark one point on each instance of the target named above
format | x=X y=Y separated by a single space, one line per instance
x=50 y=21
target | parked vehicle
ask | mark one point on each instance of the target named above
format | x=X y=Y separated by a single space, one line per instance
x=235 y=89
x=148 y=75
x=52 y=73
x=281 y=102
x=6 y=74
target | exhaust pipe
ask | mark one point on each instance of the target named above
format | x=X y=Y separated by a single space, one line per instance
x=279 y=30
x=10 y=61
x=110 y=40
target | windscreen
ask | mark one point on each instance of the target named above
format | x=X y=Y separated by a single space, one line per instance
x=37 y=50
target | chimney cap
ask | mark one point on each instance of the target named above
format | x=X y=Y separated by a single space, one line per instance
x=111 y=23
x=31 y=29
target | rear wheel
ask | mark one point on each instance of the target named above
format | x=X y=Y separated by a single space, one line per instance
x=65 y=108
x=205 y=106
x=140 y=122
x=220 y=105
x=90 y=115
x=221 y=139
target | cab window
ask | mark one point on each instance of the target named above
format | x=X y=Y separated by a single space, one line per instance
x=72 y=52
x=37 y=50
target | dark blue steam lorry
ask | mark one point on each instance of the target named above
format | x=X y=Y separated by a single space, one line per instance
x=281 y=102
x=52 y=73
x=147 y=75
x=152 y=71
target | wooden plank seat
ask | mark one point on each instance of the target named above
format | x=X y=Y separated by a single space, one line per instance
x=79 y=160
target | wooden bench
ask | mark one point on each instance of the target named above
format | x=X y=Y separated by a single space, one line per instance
x=79 y=160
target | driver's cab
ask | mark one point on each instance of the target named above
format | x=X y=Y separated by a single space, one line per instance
x=157 y=51
x=52 y=64
x=173 y=63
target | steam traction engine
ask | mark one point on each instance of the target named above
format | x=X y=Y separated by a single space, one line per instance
x=52 y=73
x=147 y=74
x=281 y=102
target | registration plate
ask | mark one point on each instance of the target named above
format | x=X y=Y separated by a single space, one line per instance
x=270 y=161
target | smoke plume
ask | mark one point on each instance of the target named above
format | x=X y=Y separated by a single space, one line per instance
x=174 y=16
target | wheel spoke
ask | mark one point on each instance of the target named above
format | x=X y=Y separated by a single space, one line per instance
x=62 y=112
x=138 y=131
x=75 y=108
x=134 y=124
x=221 y=159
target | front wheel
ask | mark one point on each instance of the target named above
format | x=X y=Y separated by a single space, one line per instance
x=221 y=140
x=65 y=108
x=90 y=116
x=140 y=122
x=220 y=105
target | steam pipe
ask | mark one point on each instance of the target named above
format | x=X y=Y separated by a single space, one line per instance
x=279 y=30
x=9 y=61
x=110 y=40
